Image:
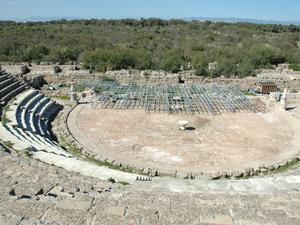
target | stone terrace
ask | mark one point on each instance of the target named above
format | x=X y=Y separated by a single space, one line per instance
x=32 y=192
x=35 y=193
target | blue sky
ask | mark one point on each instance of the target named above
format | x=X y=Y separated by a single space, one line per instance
x=281 y=10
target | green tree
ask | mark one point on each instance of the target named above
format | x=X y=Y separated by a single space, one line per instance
x=63 y=54
x=37 y=52
x=200 y=63
x=245 y=69
x=173 y=60
x=263 y=55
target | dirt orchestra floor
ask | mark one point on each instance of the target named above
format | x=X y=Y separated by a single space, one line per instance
x=227 y=142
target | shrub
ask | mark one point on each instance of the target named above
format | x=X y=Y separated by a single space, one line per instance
x=4 y=118
x=8 y=144
x=152 y=44
x=62 y=97
x=114 y=59
x=79 y=88
x=295 y=67
x=111 y=180
x=36 y=53
x=25 y=69
x=106 y=78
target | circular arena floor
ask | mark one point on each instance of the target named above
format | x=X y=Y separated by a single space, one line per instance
x=211 y=144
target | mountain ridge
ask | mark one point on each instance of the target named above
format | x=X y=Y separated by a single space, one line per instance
x=212 y=19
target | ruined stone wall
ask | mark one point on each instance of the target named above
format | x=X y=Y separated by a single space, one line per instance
x=74 y=74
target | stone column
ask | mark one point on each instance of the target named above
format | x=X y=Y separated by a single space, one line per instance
x=283 y=100
x=73 y=97
x=182 y=124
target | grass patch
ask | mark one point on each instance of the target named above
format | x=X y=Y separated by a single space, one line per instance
x=27 y=152
x=4 y=118
x=99 y=89
x=245 y=177
x=79 y=88
x=111 y=180
x=295 y=67
x=77 y=152
x=69 y=147
x=110 y=165
x=286 y=167
x=106 y=78
x=62 y=97
x=8 y=144
x=123 y=183
x=280 y=169
x=246 y=92
x=102 y=163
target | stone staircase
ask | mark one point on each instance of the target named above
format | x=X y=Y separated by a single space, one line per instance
x=29 y=116
x=33 y=192
x=9 y=87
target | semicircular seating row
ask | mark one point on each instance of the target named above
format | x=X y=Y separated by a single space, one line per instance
x=28 y=116
x=9 y=87
x=34 y=113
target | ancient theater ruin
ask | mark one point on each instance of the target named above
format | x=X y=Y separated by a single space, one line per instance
x=137 y=126
x=155 y=137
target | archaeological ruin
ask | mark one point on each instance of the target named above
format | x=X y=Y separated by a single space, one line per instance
x=107 y=148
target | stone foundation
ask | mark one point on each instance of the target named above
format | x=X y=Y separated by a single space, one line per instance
x=74 y=74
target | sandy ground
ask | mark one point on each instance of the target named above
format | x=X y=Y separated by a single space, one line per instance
x=225 y=142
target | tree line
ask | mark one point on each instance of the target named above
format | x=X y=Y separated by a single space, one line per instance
x=237 y=48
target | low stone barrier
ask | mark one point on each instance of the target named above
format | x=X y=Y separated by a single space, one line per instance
x=73 y=73
x=63 y=130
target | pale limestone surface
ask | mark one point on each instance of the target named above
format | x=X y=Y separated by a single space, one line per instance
x=228 y=142
x=32 y=192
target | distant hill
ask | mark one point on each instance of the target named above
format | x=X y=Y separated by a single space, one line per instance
x=39 y=19
x=229 y=20
x=238 y=20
